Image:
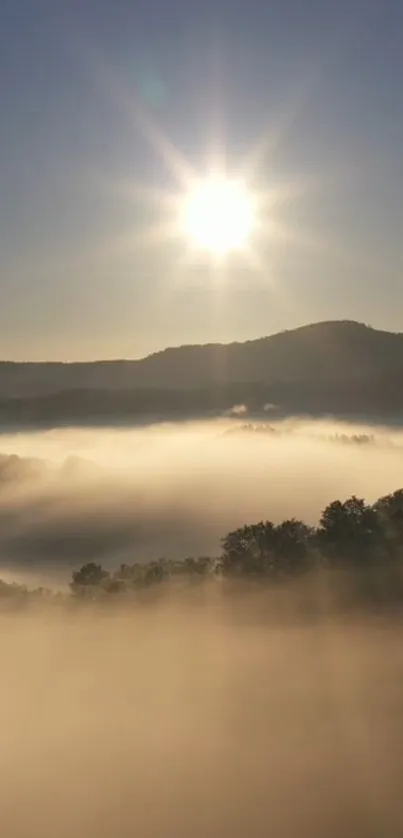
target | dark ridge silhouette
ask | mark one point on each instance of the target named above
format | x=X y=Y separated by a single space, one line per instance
x=341 y=368
x=331 y=350
x=376 y=399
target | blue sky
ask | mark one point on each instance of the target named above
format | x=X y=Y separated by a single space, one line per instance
x=320 y=80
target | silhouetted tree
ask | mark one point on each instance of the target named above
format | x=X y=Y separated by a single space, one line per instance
x=294 y=546
x=250 y=549
x=88 y=580
x=350 y=531
x=267 y=549
x=155 y=572
x=390 y=514
x=201 y=566
x=351 y=535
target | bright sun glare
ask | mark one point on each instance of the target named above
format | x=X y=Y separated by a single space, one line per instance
x=218 y=215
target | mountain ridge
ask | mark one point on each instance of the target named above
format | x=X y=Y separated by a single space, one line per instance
x=356 y=324
x=333 y=356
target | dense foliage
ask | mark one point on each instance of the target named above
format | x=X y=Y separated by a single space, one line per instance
x=353 y=536
x=350 y=535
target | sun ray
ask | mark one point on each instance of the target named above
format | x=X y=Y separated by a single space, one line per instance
x=137 y=113
x=213 y=248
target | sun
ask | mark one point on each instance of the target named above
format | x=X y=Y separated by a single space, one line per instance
x=218 y=215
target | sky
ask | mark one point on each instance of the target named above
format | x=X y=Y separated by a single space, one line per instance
x=305 y=93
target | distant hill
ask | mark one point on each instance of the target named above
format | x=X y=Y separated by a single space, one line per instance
x=326 y=351
x=338 y=367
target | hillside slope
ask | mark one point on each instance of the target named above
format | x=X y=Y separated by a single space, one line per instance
x=334 y=351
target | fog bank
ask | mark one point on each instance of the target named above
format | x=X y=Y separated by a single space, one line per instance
x=173 y=721
x=72 y=495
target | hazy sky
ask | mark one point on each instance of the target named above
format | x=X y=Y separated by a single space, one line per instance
x=319 y=80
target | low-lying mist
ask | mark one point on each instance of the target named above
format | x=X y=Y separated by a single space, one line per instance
x=211 y=711
x=204 y=720
x=72 y=495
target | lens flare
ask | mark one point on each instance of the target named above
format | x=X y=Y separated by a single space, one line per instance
x=218 y=215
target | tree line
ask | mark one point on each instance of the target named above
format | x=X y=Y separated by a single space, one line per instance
x=351 y=535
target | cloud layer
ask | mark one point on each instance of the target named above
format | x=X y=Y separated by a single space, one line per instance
x=202 y=720
x=67 y=496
